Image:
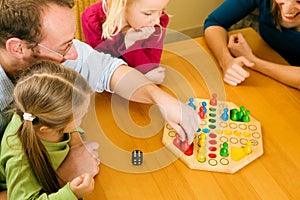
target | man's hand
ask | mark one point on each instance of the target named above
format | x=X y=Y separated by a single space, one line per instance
x=182 y=118
x=82 y=158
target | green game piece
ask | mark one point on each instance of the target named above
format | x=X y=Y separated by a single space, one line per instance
x=233 y=114
x=240 y=114
x=246 y=117
x=224 y=150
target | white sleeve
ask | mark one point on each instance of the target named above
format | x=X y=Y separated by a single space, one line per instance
x=96 y=67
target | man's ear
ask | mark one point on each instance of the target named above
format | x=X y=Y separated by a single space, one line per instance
x=15 y=47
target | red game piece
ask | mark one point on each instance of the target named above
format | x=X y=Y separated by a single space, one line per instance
x=213 y=101
x=183 y=146
x=201 y=112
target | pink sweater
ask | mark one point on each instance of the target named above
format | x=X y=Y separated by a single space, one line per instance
x=144 y=55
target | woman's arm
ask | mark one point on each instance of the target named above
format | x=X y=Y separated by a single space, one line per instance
x=289 y=75
x=233 y=71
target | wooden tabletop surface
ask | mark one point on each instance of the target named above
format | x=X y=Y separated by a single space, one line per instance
x=123 y=126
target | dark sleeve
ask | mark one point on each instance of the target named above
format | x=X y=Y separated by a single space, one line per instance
x=230 y=12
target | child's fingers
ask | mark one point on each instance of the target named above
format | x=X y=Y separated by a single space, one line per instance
x=77 y=181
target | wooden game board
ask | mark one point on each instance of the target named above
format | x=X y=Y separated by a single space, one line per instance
x=218 y=131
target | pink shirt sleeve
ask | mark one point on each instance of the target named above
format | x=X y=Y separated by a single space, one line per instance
x=92 y=19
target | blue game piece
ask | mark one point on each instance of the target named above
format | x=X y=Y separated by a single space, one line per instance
x=224 y=116
x=137 y=157
x=191 y=103
x=204 y=106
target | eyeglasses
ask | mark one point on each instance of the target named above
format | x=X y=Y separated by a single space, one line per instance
x=69 y=45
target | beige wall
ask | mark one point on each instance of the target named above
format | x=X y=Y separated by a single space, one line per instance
x=189 y=15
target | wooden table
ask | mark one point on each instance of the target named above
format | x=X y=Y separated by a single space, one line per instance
x=274 y=175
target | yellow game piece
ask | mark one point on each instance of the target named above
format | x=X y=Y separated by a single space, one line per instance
x=237 y=153
x=248 y=147
x=201 y=154
x=201 y=141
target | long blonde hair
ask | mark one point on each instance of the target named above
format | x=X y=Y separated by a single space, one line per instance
x=114 y=10
x=48 y=91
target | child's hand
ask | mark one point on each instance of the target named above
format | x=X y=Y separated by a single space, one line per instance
x=133 y=35
x=82 y=185
x=156 y=75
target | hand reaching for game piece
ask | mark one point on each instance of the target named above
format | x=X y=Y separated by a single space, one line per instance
x=133 y=35
x=82 y=185
x=156 y=75
x=183 y=119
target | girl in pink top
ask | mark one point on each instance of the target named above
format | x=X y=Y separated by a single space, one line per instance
x=131 y=29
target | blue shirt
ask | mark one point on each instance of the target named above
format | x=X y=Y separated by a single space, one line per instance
x=285 y=41
x=96 y=67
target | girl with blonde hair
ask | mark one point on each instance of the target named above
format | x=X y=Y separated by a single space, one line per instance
x=131 y=29
x=50 y=101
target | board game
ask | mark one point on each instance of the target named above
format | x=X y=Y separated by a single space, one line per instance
x=228 y=137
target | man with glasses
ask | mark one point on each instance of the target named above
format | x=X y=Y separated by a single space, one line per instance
x=32 y=30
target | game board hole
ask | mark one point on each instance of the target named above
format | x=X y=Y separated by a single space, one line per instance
x=254 y=142
x=246 y=134
x=212 y=162
x=212 y=148
x=223 y=124
x=212 y=155
x=223 y=139
x=212 y=126
x=212 y=109
x=233 y=140
x=212 y=120
x=212 y=142
x=233 y=125
x=243 y=126
x=172 y=133
x=252 y=127
x=169 y=127
x=256 y=135
x=203 y=122
x=224 y=161
x=212 y=114
x=243 y=141
x=205 y=130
